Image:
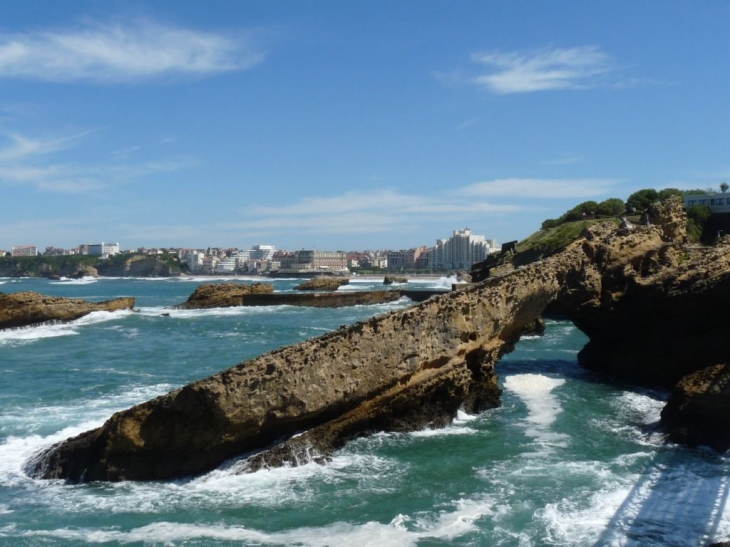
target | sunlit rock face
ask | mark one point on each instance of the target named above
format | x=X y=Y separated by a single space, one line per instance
x=649 y=304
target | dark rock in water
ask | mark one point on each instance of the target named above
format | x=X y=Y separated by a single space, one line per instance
x=323 y=283
x=390 y=279
x=697 y=411
x=652 y=307
x=223 y=295
x=30 y=308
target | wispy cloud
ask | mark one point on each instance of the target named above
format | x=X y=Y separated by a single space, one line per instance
x=122 y=53
x=542 y=70
x=542 y=188
x=31 y=162
x=387 y=210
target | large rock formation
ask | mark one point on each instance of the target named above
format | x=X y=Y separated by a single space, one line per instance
x=223 y=295
x=634 y=292
x=323 y=283
x=29 y=308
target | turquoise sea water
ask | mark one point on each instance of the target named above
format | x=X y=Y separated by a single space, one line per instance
x=567 y=460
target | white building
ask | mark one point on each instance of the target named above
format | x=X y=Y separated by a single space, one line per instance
x=103 y=250
x=194 y=260
x=718 y=203
x=24 y=250
x=461 y=250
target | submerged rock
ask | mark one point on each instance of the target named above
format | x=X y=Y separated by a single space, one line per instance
x=390 y=279
x=652 y=308
x=30 y=308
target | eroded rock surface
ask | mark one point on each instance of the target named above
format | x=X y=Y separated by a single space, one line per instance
x=223 y=295
x=323 y=283
x=30 y=308
x=640 y=295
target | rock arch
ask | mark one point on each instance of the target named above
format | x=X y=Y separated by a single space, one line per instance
x=628 y=290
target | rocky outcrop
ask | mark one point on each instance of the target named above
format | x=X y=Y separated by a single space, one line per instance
x=390 y=279
x=697 y=411
x=651 y=307
x=403 y=370
x=30 y=308
x=323 y=283
x=223 y=295
x=138 y=266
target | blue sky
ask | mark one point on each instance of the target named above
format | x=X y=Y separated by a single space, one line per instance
x=347 y=125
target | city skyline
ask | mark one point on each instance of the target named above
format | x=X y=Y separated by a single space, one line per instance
x=360 y=125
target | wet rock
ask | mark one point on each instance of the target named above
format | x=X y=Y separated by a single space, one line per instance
x=30 y=308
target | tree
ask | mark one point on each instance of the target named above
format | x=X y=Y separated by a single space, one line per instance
x=724 y=186
x=612 y=207
x=669 y=192
x=639 y=201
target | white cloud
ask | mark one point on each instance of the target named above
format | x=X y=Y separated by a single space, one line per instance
x=29 y=162
x=378 y=211
x=541 y=70
x=117 y=53
x=542 y=188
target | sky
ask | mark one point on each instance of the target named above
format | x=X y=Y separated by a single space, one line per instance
x=348 y=125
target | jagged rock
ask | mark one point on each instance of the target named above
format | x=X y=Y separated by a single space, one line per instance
x=223 y=295
x=323 y=283
x=85 y=271
x=390 y=279
x=29 y=308
x=652 y=308
x=697 y=411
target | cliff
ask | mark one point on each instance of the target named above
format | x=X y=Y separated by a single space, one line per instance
x=122 y=265
x=30 y=308
x=651 y=306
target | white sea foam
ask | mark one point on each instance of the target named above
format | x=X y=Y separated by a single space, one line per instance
x=24 y=335
x=543 y=407
x=444 y=431
x=401 y=531
x=86 y=280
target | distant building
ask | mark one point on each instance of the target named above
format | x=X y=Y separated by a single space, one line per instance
x=461 y=250
x=103 y=250
x=718 y=203
x=24 y=250
x=306 y=261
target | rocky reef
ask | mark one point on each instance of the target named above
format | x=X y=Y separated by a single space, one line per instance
x=390 y=279
x=223 y=295
x=323 y=283
x=30 y=308
x=651 y=306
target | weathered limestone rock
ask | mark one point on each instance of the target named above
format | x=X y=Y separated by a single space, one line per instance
x=29 y=308
x=390 y=279
x=652 y=308
x=406 y=369
x=323 y=283
x=697 y=411
x=223 y=295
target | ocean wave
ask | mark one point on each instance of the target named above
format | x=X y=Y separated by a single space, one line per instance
x=401 y=531
x=25 y=335
x=86 y=280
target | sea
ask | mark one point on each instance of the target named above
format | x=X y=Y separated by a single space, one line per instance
x=569 y=459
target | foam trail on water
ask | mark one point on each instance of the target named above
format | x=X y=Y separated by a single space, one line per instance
x=401 y=531
x=23 y=335
x=535 y=390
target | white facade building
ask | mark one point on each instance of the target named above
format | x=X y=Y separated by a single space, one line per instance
x=461 y=250
x=24 y=250
x=103 y=249
x=718 y=203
